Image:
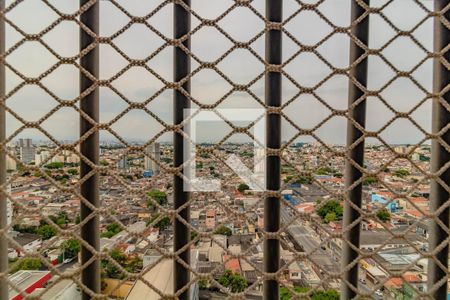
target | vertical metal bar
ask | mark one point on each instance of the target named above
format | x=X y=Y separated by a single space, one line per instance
x=440 y=156
x=182 y=68
x=3 y=200
x=90 y=232
x=358 y=113
x=274 y=14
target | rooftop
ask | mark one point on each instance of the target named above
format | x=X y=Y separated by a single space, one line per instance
x=161 y=276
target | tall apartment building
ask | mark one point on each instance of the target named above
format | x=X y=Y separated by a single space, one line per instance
x=10 y=162
x=123 y=163
x=152 y=150
x=9 y=207
x=41 y=157
x=260 y=161
x=26 y=150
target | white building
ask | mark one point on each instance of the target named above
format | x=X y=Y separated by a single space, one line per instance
x=26 y=150
x=58 y=158
x=123 y=163
x=73 y=159
x=9 y=208
x=260 y=161
x=161 y=276
x=152 y=164
x=10 y=162
x=40 y=157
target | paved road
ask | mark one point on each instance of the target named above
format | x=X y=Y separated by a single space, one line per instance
x=65 y=267
x=309 y=241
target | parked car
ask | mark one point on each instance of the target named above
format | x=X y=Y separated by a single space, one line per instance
x=68 y=260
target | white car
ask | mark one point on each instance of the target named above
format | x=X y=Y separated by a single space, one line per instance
x=68 y=260
x=379 y=293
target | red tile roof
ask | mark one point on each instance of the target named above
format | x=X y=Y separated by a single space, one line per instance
x=232 y=264
x=394 y=283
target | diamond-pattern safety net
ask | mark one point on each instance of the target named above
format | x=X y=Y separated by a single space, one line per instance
x=226 y=224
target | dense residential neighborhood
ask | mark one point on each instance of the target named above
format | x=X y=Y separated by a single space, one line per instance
x=226 y=227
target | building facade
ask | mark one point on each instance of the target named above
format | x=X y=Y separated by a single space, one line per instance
x=26 y=150
x=152 y=164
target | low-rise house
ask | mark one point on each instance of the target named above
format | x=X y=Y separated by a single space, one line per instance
x=28 y=242
x=232 y=264
x=27 y=281
x=295 y=272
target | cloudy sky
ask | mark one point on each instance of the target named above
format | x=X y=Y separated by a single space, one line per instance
x=240 y=66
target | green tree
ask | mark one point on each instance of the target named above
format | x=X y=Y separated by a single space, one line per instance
x=235 y=282
x=402 y=173
x=63 y=178
x=330 y=217
x=325 y=171
x=424 y=158
x=338 y=175
x=47 y=232
x=243 y=187
x=70 y=248
x=299 y=179
x=224 y=230
x=61 y=222
x=111 y=230
x=131 y=265
x=21 y=167
x=156 y=196
x=384 y=215
x=109 y=269
x=107 y=234
x=247 y=154
x=72 y=172
x=370 y=180
x=26 y=264
x=166 y=160
x=103 y=163
x=134 y=265
x=114 y=227
x=331 y=206
x=25 y=228
x=286 y=294
x=162 y=223
x=54 y=165
x=326 y=295
x=61 y=219
x=203 y=284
